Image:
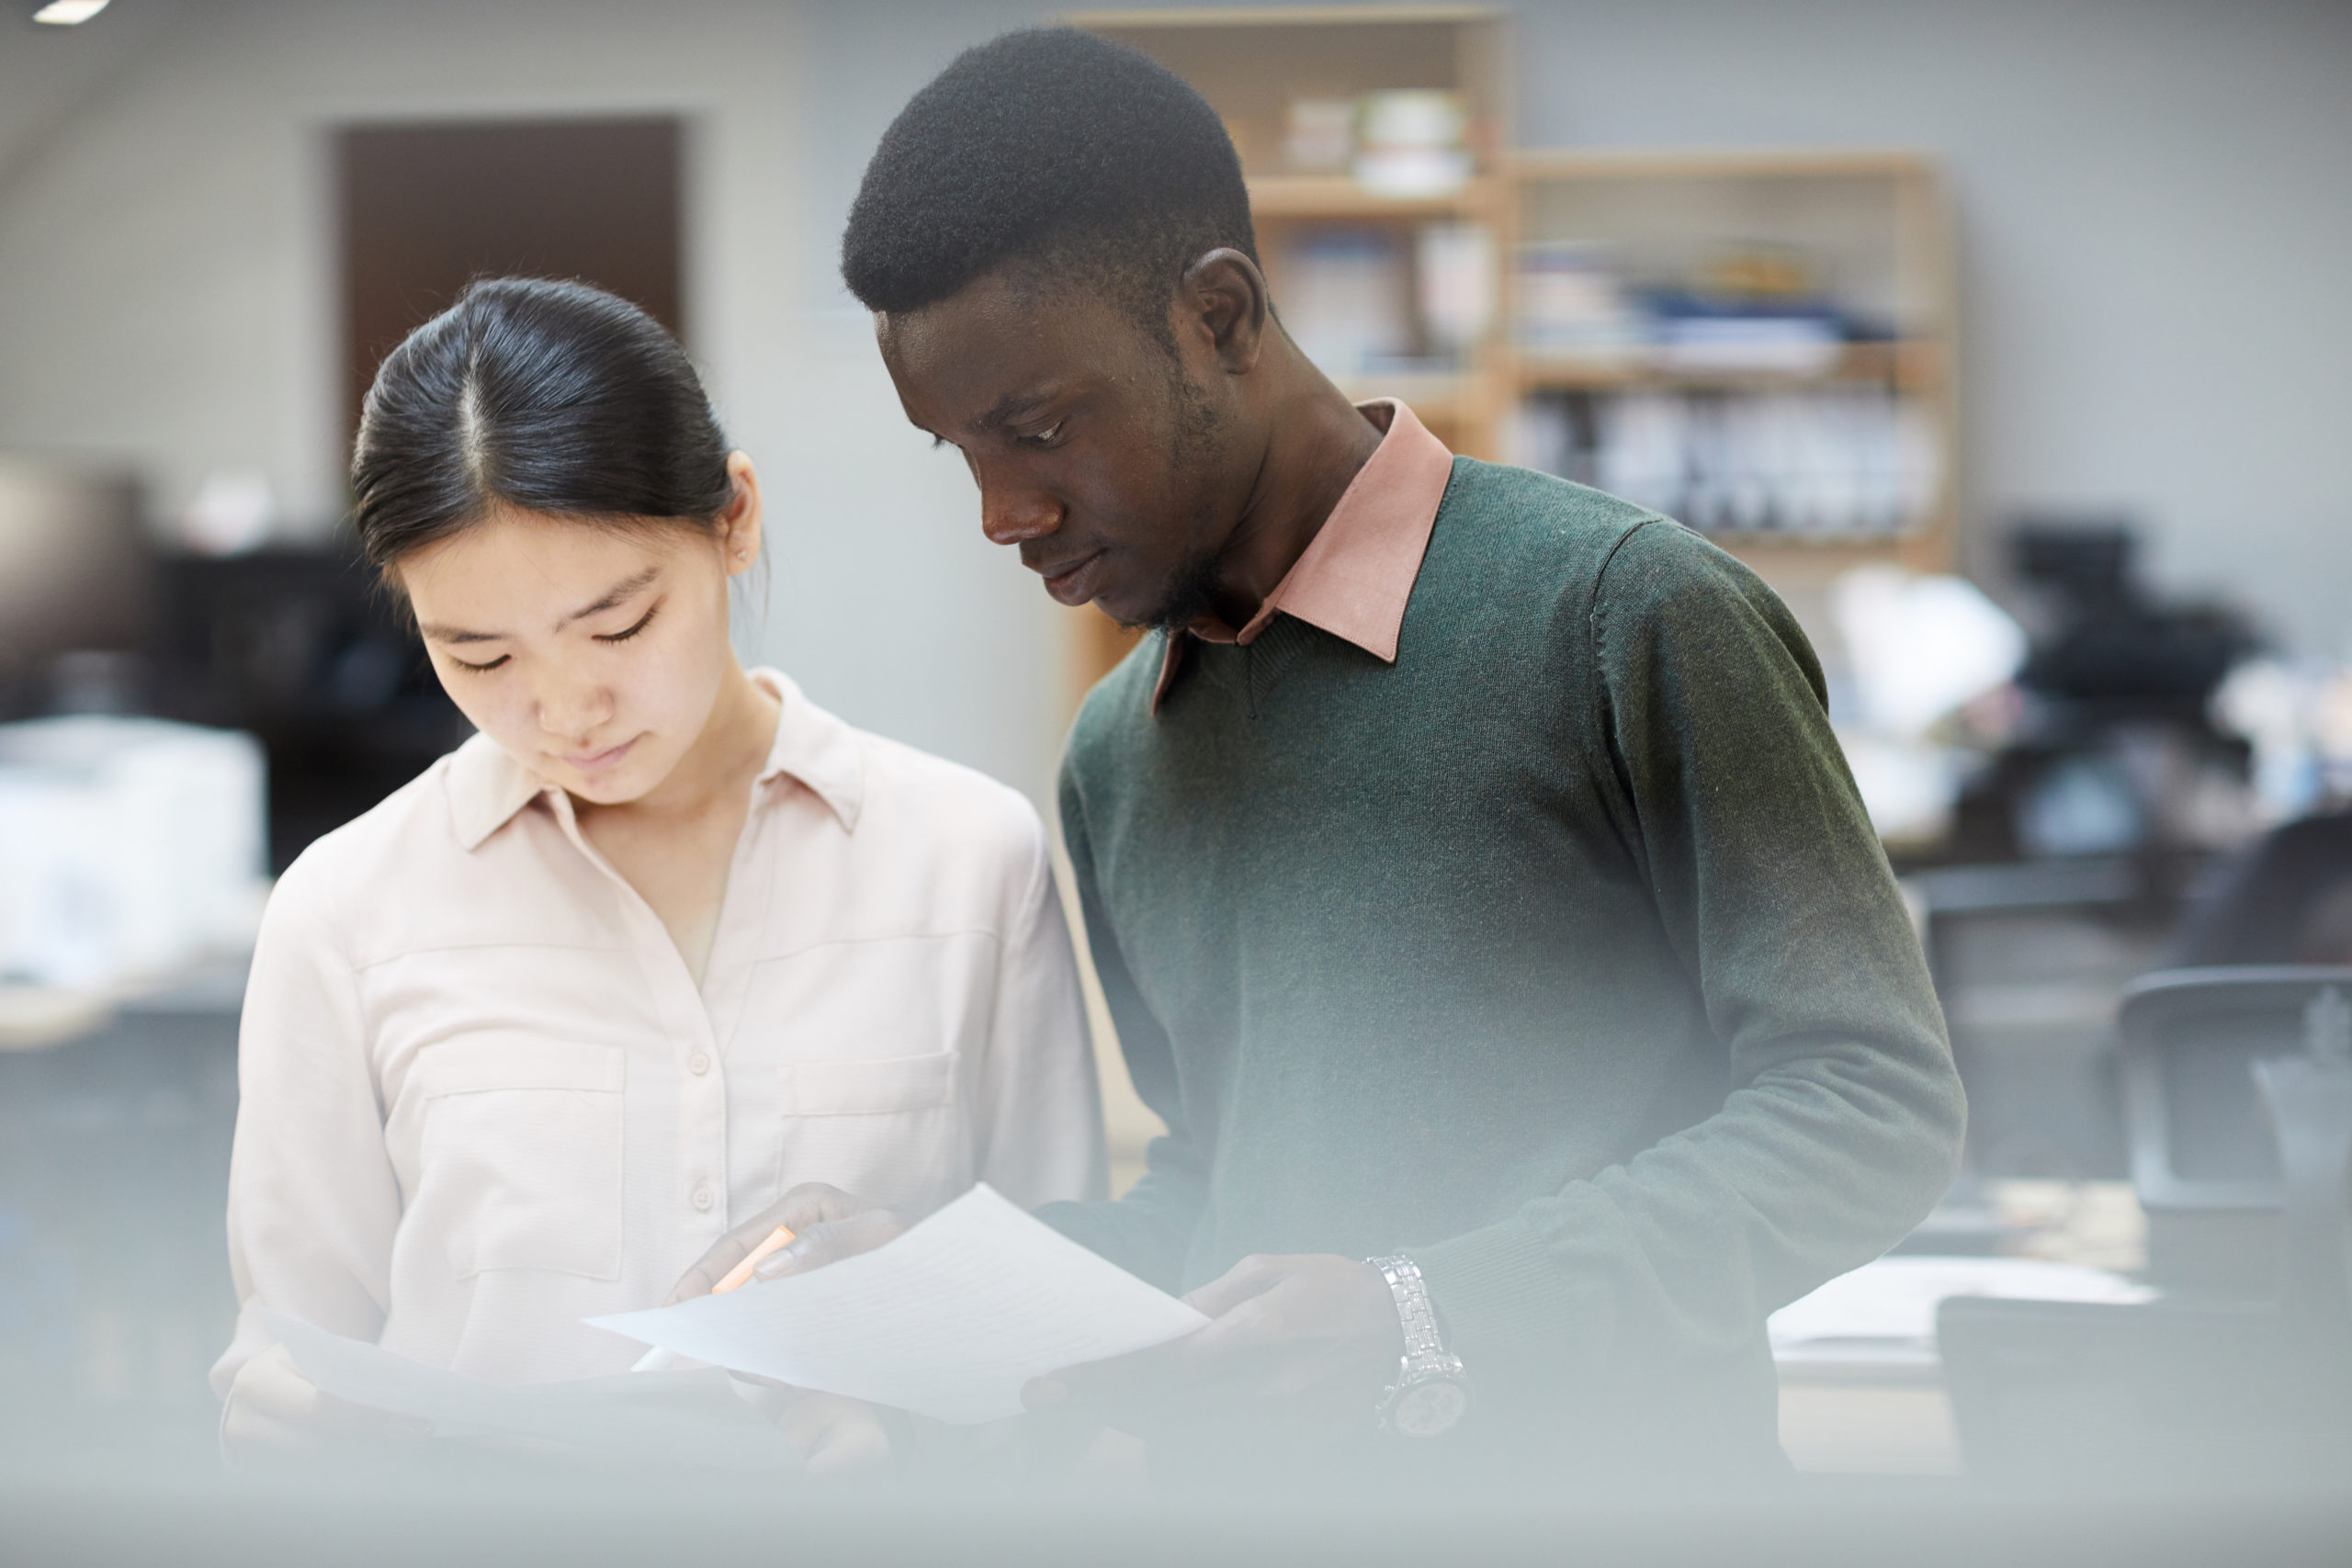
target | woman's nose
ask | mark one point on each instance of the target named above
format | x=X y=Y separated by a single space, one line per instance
x=574 y=710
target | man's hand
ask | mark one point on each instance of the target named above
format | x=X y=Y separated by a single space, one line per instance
x=1307 y=1340
x=827 y=1224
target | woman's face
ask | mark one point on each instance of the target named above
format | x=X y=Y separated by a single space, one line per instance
x=594 y=656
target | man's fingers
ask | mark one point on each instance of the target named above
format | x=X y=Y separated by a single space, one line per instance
x=1252 y=1276
x=1288 y=1339
x=1094 y=1382
x=1225 y=1358
x=1152 y=1373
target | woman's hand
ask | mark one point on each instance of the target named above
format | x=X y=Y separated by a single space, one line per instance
x=274 y=1409
x=833 y=1435
x=836 y=1436
x=827 y=1224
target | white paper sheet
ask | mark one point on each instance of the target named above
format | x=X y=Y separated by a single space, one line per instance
x=948 y=1321
x=690 y=1417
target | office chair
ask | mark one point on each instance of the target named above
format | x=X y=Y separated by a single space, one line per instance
x=2205 y=1158
x=2238 y=1086
x=2286 y=899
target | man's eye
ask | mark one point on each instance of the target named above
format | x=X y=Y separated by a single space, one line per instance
x=1045 y=437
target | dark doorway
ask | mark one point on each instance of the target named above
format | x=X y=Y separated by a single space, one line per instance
x=426 y=208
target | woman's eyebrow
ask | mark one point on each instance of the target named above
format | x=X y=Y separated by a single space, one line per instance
x=615 y=594
x=619 y=592
x=451 y=634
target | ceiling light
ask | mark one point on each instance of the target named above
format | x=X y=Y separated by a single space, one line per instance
x=69 y=13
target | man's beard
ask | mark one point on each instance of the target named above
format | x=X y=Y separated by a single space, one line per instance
x=1187 y=595
x=1189 y=592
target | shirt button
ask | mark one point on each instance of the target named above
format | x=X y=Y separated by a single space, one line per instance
x=702 y=1198
x=699 y=1063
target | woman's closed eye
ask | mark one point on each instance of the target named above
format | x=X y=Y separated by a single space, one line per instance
x=643 y=622
x=482 y=668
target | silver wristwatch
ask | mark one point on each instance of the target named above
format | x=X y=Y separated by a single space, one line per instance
x=1431 y=1391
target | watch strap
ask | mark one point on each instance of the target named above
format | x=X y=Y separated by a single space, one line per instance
x=1414 y=1314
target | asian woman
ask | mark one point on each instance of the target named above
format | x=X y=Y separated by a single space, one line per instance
x=662 y=941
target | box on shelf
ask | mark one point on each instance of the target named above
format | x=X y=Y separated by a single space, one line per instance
x=1573 y=303
x=1321 y=139
x=1411 y=100
x=1414 y=143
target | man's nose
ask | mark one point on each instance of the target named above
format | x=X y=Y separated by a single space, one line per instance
x=1014 y=513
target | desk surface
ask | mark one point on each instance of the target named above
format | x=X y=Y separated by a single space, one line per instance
x=40 y=1018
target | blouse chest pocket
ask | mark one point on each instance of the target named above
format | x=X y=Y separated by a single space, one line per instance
x=521 y=1153
x=890 y=1128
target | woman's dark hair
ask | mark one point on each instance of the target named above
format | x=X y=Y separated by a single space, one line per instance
x=544 y=396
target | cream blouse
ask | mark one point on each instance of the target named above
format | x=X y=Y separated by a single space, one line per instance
x=482 y=1096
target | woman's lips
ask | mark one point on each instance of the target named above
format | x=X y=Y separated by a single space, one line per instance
x=597 y=762
x=1074 y=584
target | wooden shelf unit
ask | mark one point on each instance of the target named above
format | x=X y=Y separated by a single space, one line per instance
x=1916 y=365
x=1878 y=218
x=1279 y=198
x=1251 y=62
x=1877 y=221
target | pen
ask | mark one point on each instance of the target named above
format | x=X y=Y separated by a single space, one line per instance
x=660 y=1360
x=741 y=1273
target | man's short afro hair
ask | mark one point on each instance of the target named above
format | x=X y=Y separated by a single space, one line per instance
x=1053 y=146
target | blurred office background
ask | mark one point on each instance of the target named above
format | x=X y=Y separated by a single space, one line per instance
x=2006 y=338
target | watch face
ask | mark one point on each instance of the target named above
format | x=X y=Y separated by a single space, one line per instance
x=1427 y=1409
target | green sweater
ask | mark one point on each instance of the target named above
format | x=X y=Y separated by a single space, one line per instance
x=1559 y=955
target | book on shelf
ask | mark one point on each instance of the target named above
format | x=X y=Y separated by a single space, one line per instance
x=1838 y=463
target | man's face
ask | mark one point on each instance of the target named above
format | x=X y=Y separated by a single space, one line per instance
x=1118 y=469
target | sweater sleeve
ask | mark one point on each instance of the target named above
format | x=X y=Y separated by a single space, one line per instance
x=1149 y=1230
x=1842 y=1122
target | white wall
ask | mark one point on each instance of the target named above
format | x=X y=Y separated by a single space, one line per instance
x=169 y=242
x=2155 y=205
x=2152 y=198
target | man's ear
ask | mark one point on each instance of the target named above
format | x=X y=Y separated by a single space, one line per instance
x=1223 y=297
